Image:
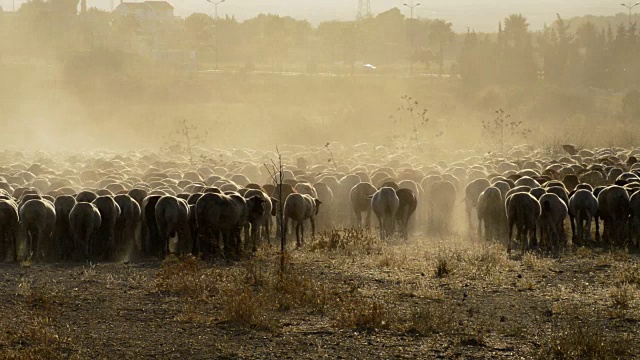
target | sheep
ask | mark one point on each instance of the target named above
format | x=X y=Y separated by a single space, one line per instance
x=634 y=218
x=325 y=194
x=37 y=218
x=9 y=227
x=358 y=197
x=583 y=206
x=86 y=196
x=259 y=226
x=84 y=221
x=523 y=211
x=441 y=197
x=551 y=221
x=226 y=215
x=491 y=213
x=172 y=219
x=385 y=204
x=472 y=193
x=537 y=192
x=613 y=207
x=109 y=213
x=128 y=225
x=304 y=188
x=62 y=231
x=298 y=208
x=408 y=202
x=149 y=235
x=527 y=181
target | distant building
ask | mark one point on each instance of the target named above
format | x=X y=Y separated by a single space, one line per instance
x=147 y=11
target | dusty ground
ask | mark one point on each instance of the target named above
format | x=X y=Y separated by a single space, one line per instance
x=346 y=295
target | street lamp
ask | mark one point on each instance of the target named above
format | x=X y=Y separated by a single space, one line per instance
x=215 y=19
x=215 y=4
x=630 y=7
x=411 y=6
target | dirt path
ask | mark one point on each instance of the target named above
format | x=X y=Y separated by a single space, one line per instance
x=444 y=300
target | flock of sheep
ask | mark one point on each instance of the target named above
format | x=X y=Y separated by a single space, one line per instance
x=106 y=207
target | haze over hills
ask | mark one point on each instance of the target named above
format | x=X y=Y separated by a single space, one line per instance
x=478 y=15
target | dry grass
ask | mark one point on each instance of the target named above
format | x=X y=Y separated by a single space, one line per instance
x=433 y=317
x=443 y=267
x=35 y=333
x=536 y=262
x=580 y=341
x=348 y=242
x=243 y=306
x=35 y=338
x=292 y=290
x=391 y=258
x=365 y=314
x=248 y=294
x=628 y=274
x=622 y=295
x=188 y=277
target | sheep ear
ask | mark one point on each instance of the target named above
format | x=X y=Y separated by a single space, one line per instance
x=369 y=197
x=318 y=202
x=274 y=200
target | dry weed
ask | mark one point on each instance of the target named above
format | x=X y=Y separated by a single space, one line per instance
x=391 y=258
x=34 y=338
x=290 y=290
x=577 y=342
x=241 y=305
x=443 y=267
x=423 y=290
x=433 y=317
x=536 y=262
x=628 y=274
x=186 y=276
x=487 y=260
x=360 y=313
x=349 y=242
x=622 y=295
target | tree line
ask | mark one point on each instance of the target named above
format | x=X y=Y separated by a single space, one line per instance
x=578 y=52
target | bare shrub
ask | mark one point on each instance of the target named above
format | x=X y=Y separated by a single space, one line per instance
x=622 y=295
x=443 y=267
x=241 y=305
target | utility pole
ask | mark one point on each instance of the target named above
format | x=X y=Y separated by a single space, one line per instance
x=411 y=6
x=630 y=7
x=215 y=19
x=364 y=9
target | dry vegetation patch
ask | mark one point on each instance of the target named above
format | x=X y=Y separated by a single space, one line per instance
x=577 y=341
x=32 y=330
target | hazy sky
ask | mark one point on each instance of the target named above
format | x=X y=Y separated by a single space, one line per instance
x=476 y=14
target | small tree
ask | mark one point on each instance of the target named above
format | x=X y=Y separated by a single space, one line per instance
x=502 y=129
x=277 y=176
x=183 y=139
x=417 y=116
